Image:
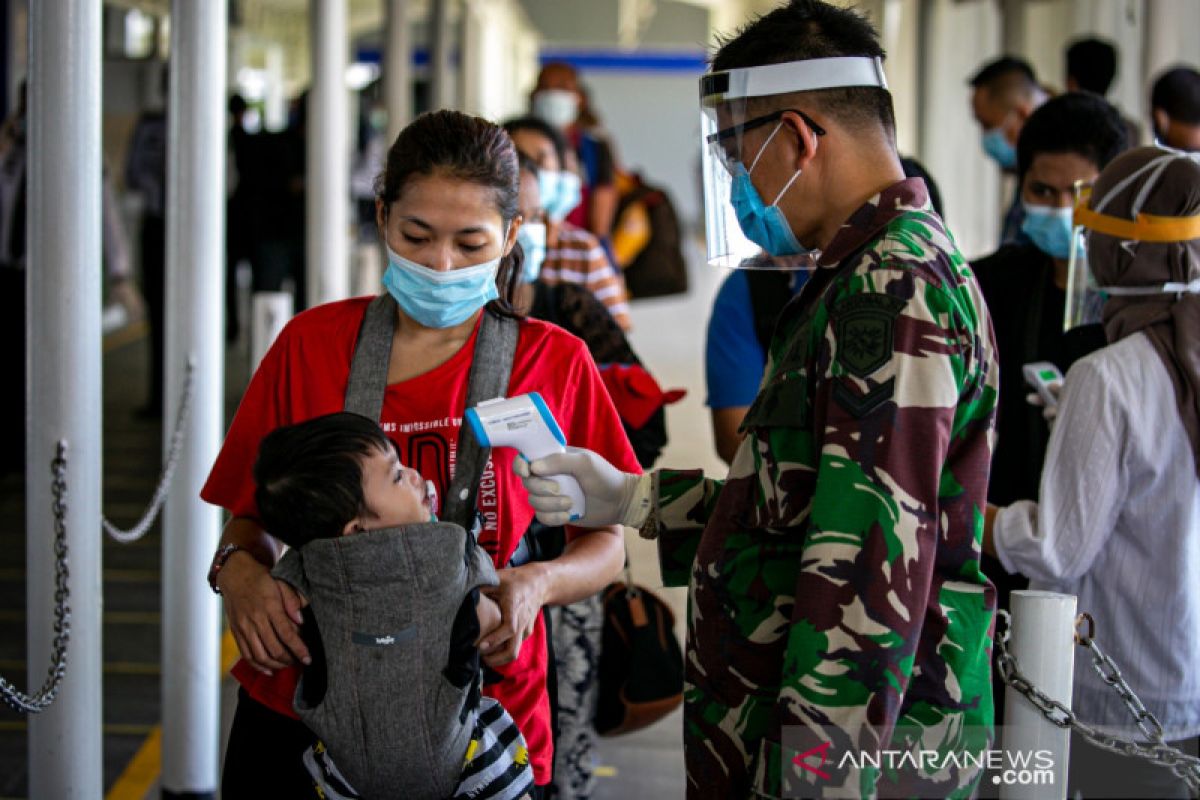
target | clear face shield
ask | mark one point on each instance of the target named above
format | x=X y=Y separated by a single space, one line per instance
x=742 y=229
x=1094 y=229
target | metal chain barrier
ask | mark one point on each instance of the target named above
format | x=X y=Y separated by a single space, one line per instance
x=164 y=484
x=1154 y=750
x=32 y=704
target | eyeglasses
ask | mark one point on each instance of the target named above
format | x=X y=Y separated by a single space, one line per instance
x=726 y=136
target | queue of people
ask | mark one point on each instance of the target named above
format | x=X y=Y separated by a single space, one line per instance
x=882 y=494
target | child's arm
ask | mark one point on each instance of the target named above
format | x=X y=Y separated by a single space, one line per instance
x=489 y=616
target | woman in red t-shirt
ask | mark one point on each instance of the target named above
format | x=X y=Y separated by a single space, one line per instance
x=447 y=210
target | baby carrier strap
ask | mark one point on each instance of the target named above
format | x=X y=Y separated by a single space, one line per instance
x=491 y=366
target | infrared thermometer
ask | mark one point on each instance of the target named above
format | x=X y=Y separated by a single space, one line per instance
x=1039 y=375
x=525 y=424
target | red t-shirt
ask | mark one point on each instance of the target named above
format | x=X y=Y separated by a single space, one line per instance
x=304 y=375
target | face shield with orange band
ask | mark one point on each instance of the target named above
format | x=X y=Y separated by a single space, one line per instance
x=743 y=229
x=1094 y=227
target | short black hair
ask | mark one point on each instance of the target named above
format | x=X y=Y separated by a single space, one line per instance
x=309 y=476
x=543 y=128
x=1093 y=64
x=805 y=29
x=1005 y=67
x=1177 y=92
x=1077 y=122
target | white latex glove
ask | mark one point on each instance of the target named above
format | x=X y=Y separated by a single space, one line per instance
x=611 y=497
x=1049 y=412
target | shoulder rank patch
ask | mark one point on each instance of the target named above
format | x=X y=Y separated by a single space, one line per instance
x=863 y=327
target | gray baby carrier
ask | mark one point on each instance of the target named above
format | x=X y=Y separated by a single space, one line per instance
x=385 y=603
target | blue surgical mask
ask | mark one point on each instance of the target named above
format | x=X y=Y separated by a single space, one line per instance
x=532 y=236
x=549 y=181
x=1050 y=229
x=999 y=149
x=566 y=194
x=436 y=298
x=764 y=225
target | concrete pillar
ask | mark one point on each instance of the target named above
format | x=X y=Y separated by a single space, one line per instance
x=398 y=68
x=441 y=78
x=195 y=329
x=328 y=184
x=64 y=395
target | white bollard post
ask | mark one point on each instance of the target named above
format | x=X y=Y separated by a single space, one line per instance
x=327 y=194
x=272 y=310
x=1043 y=642
x=191 y=614
x=62 y=302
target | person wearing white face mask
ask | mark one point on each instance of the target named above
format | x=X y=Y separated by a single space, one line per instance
x=573 y=255
x=447 y=211
x=557 y=100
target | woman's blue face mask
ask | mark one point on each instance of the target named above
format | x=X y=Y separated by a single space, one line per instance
x=440 y=298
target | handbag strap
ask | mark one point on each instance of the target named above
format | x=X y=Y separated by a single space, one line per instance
x=491 y=366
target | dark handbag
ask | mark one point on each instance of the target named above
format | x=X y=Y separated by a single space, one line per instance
x=641 y=665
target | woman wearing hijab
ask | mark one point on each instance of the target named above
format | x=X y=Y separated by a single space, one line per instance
x=1117 y=522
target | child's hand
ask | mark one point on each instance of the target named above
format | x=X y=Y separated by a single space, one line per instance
x=489 y=616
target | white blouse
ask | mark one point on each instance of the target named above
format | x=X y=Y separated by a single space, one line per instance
x=1118 y=525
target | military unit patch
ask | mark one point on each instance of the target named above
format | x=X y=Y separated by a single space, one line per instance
x=864 y=326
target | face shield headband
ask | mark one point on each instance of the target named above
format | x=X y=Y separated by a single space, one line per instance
x=724 y=99
x=1085 y=297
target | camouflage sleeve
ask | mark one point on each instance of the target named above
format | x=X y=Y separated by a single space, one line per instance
x=890 y=368
x=684 y=499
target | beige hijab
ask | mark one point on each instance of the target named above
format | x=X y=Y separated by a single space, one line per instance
x=1170 y=321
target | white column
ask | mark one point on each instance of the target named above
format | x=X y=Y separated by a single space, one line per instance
x=64 y=397
x=441 y=79
x=191 y=616
x=398 y=70
x=328 y=186
x=1043 y=642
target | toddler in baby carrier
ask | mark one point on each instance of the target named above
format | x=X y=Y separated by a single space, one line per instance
x=392 y=623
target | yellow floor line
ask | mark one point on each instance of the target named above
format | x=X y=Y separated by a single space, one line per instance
x=127 y=335
x=144 y=768
x=141 y=772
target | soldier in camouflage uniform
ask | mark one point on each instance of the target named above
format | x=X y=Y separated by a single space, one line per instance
x=836 y=602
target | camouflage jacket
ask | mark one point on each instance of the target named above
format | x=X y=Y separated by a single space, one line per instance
x=836 y=601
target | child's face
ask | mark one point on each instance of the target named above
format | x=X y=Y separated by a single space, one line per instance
x=393 y=494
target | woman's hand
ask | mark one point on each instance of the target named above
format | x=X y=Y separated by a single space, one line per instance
x=520 y=595
x=264 y=614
